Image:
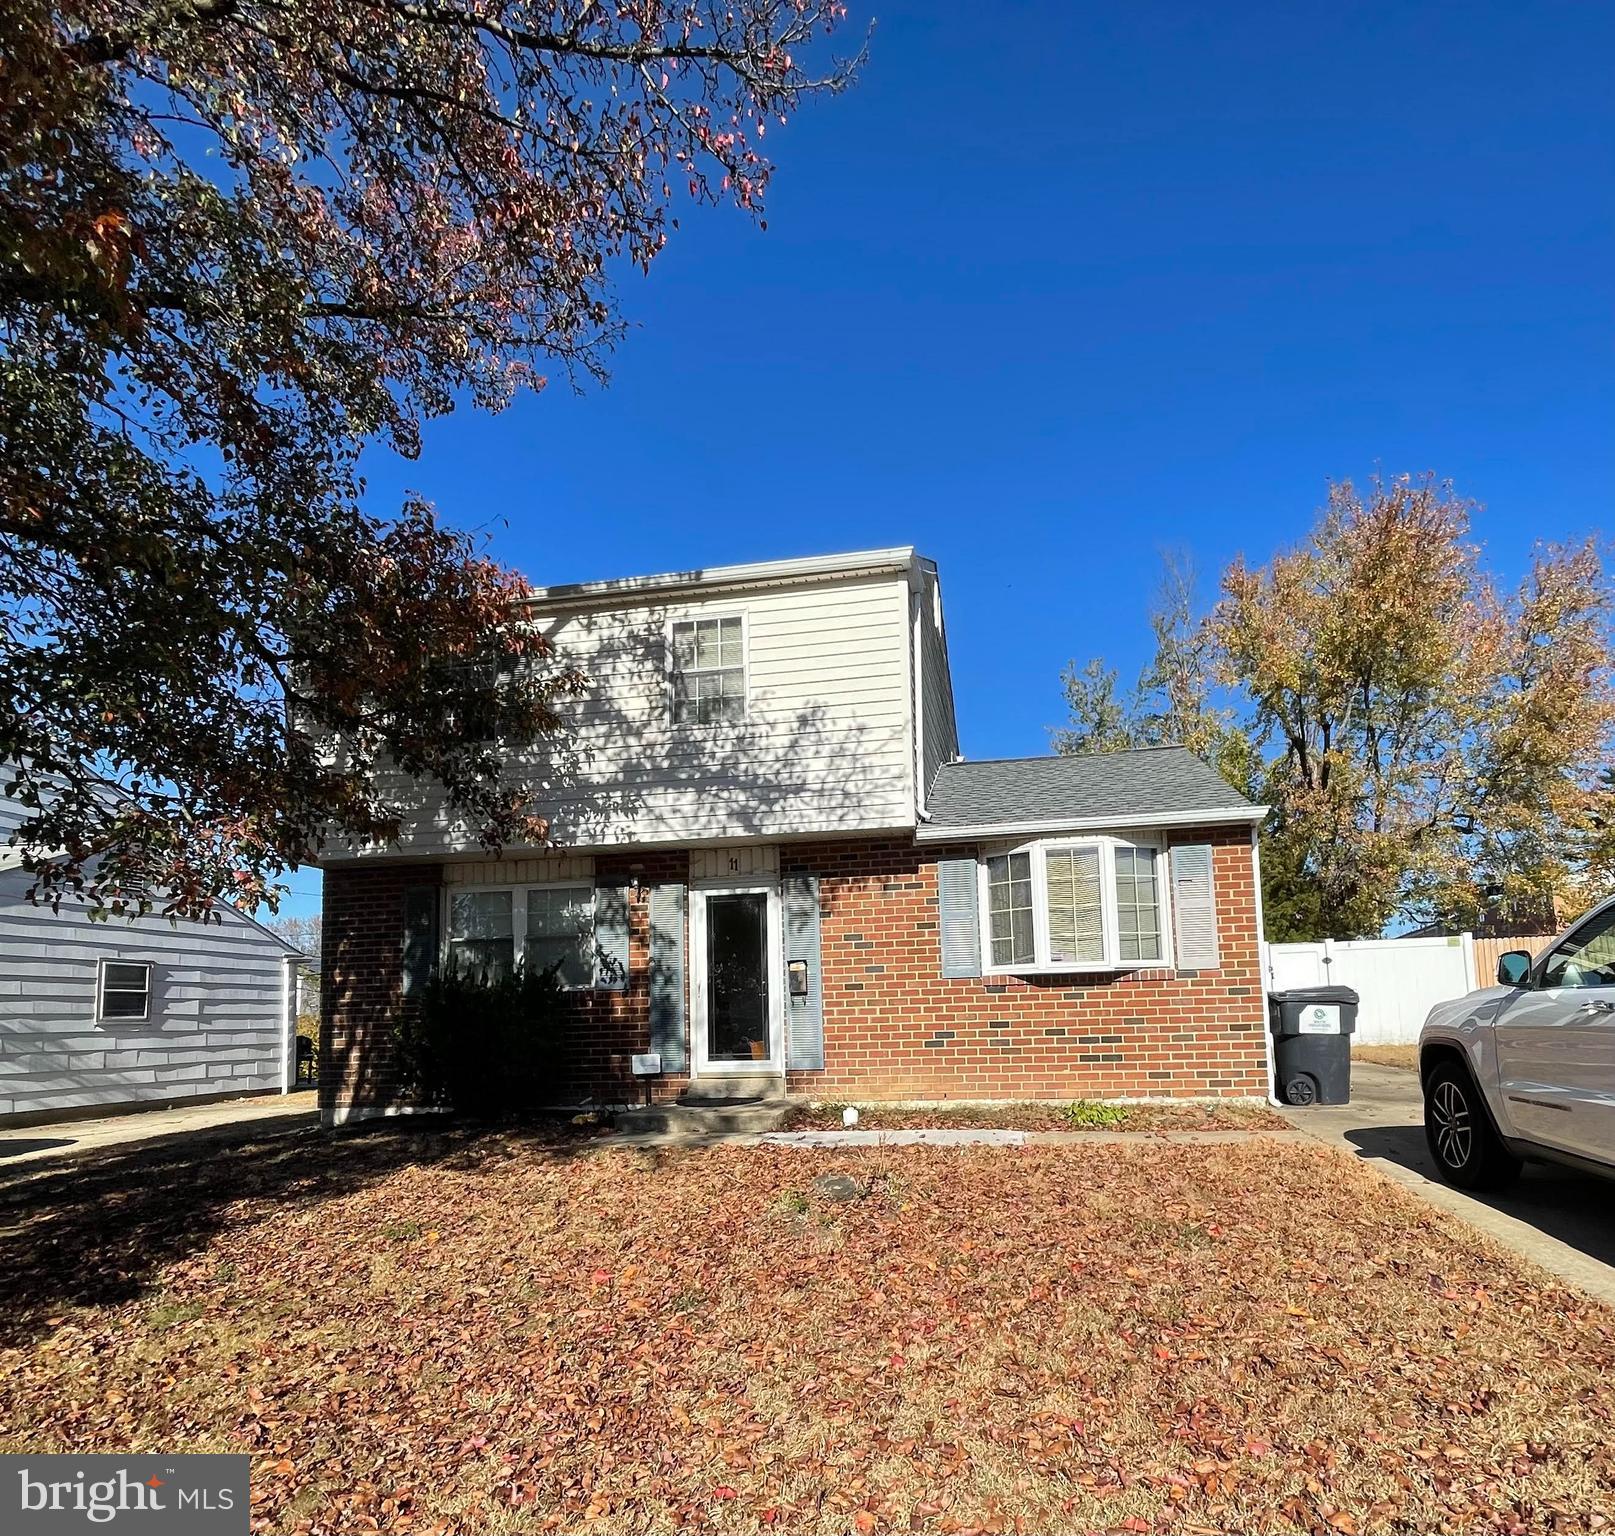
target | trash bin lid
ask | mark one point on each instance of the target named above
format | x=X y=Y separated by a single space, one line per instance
x=1316 y=995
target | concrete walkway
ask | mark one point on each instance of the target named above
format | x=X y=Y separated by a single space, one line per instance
x=224 y=1119
x=1561 y=1220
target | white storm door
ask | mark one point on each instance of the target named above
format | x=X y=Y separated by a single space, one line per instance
x=737 y=1018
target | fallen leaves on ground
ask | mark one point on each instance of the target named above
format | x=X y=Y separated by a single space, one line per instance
x=1082 y=1115
x=444 y=1331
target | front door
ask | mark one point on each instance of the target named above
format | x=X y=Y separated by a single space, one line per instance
x=736 y=1023
x=1556 y=1045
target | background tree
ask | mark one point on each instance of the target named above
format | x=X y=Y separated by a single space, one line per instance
x=238 y=239
x=304 y=932
x=1431 y=747
x=1173 y=699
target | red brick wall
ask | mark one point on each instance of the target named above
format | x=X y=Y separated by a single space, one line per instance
x=362 y=988
x=361 y=981
x=894 y=1028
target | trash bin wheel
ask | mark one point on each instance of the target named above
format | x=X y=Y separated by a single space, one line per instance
x=1301 y=1089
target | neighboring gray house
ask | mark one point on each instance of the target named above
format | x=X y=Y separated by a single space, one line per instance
x=124 y=1014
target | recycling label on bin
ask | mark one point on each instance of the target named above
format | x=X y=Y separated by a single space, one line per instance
x=1320 y=1019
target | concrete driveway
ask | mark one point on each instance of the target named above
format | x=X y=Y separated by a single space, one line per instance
x=1561 y=1220
x=225 y=1120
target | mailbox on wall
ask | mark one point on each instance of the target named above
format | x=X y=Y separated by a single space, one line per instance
x=798 y=974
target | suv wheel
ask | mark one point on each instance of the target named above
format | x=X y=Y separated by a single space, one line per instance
x=1467 y=1150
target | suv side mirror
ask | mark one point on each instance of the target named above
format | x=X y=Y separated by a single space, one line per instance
x=1514 y=967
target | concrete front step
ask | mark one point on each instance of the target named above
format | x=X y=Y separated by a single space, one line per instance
x=704 y=1119
x=735 y=1087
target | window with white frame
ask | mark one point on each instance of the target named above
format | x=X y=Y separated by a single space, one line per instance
x=709 y=670
x=555 y=924
x=1093 y=904
x=124 y=990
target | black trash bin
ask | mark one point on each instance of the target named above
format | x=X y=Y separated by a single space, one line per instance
x=1312 y=1029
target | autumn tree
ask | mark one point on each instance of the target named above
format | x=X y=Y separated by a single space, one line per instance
x=239 y=239
x=1172 y=700
x=1431 y=746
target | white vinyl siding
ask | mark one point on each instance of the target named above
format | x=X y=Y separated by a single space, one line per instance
x=1073 y=904
x=941 y=732
x=826 y=745
x=215 y=1018
x=556 y=924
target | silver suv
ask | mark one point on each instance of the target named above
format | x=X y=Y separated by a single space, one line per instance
x=1526 y=1069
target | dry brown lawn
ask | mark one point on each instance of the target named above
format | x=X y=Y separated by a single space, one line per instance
x=490 y=1333
x=1388 y=1055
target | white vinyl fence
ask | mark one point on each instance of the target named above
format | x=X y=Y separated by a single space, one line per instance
x=1398 y=980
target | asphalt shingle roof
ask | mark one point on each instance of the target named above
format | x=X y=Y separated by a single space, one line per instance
x=1154 y=781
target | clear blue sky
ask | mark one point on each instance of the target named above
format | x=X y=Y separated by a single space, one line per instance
x=1058 y=285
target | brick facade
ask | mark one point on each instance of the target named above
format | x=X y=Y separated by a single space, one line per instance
x=361 y=982
x=894 y=1027
x=362 y=989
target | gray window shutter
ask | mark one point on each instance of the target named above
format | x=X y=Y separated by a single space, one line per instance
x=804 y=1016
x=667 y=906
x=611 y=938
x=957 y=920
x=420 y=937
x=1194 y=908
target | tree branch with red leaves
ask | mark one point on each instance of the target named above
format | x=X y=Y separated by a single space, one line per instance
x=240 y=240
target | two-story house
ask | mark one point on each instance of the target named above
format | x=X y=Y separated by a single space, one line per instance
x=770 y=871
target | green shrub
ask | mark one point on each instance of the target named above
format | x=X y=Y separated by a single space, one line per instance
x=484 y=1047
x=1090 y=1115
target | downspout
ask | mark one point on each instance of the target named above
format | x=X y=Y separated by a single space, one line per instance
x=1261 y=967
x=288 y=1022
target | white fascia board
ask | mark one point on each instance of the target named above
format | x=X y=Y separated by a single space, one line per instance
x=1242 y=815
x=865 y=562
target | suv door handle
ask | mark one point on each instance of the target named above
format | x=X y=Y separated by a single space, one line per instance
x=1597 y=1005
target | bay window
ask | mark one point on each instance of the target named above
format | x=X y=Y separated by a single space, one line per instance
x=554 y=924
x=1093 y=904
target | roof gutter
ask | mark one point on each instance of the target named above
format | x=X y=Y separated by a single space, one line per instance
x=1241 y=815
x=718 y=578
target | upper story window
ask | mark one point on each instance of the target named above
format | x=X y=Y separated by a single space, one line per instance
x=709 y=670
x=555 y=922
x=124 y=990
x=1094 y=904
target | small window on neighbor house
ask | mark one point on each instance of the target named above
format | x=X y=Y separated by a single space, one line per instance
x=125 y=989
x=709 y=671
